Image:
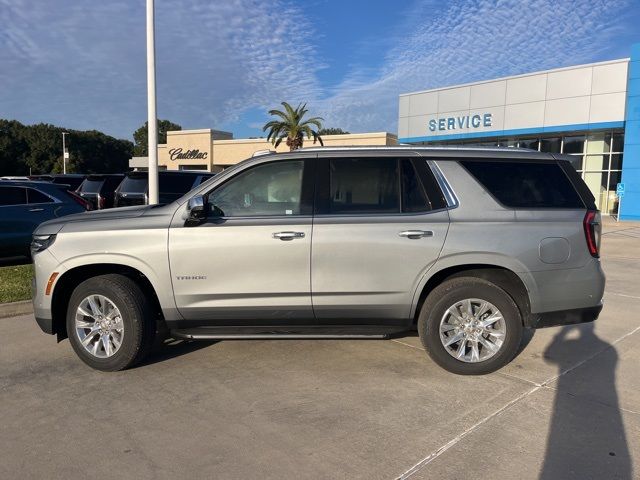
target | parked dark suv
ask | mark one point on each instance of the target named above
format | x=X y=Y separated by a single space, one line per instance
x=26 y=204
x=74 y=180
x=134 y=189
x=99 y=189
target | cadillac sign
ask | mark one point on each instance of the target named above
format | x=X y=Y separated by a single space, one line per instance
x=178 y=154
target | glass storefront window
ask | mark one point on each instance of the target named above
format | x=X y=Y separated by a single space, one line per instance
x=596 y=162
x=576 y=161
x=599 y=143
x=616 y=161
x=551 y=145
x=573 y=144
x=618 y=142
x=531 y=143
x=597 y=183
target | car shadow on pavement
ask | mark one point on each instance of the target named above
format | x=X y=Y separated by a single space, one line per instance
x=172 y=348
x=586 y=435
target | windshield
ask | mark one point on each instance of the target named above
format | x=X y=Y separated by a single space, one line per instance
x=91 y=186
x=134 y=185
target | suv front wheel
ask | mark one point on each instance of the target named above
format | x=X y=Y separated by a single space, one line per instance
x=110 y=323
x=470 y=326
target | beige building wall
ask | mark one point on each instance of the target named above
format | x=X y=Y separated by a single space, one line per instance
x=230 y=152
x=214 y=150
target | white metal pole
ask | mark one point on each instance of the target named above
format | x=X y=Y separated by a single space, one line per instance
x=64 y=153
x=152 y=132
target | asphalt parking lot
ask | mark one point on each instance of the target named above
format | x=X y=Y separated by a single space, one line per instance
x=567 y=407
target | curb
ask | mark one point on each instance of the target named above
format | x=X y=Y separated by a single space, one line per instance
x=14 y=309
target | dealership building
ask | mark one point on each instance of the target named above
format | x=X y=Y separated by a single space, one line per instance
x=591 y=112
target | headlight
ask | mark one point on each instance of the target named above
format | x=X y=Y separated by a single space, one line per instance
x=41 y=242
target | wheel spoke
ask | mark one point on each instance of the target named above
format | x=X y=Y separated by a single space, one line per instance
x=116 y=339
x=455 y=314
x=468 y=306
x=490 y=320
x=453 y=339
x=106 y=344
x=84 y=313
x=475 y=352
x=492 y=347
x=87 y=340
x=93 y=306
x=85 y=324
x=495 y=333
x=461 y=349
x=447 y=327
x=482 y=310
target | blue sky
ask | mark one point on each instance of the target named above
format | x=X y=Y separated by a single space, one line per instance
x=223 y=64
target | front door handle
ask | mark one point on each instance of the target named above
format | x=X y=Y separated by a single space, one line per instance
x=416 y=234
x=36 y=209
x=288 y=235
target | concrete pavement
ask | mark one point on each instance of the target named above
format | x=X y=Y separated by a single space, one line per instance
x=567 y=407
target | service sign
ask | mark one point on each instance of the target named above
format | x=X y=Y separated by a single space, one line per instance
x=461 y=122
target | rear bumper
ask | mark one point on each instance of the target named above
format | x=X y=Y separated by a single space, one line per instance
x=566 y=317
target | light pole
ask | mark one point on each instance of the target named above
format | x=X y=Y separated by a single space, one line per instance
x=65 y=154
x=152 y=122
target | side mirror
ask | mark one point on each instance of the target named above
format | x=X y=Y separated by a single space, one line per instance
x=198 y=209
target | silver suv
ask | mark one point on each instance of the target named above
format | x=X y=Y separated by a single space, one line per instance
x=469 y=246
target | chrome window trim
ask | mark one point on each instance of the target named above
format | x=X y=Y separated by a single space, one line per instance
x=445 y=186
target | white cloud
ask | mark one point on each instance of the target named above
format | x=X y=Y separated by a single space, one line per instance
x=473 y=40
x=81 y=63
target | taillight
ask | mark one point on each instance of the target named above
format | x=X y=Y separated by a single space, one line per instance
x=81 y=201
x=592 y=231
x=100 y=202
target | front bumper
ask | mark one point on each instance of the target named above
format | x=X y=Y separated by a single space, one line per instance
x=46 y=325
x=566 y=317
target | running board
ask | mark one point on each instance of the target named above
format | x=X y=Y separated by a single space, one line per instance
x=287 y=333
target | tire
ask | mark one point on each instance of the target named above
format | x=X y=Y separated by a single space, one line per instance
x=132 y=313
x=444 y=317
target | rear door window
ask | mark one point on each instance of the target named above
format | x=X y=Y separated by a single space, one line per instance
x=12 y=196
x=524 y=184
x=364 y=185
x=35 y=196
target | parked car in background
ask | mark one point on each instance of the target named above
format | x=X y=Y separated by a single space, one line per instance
x=26 y=204
x=468 y=246
x=134 y=189
x=72 y=179
x=99 y=189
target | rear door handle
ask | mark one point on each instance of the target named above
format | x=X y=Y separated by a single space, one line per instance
x=416 y=234
x=288 y=235
x=36 y=209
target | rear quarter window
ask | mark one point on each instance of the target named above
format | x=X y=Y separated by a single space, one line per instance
x=523 y=184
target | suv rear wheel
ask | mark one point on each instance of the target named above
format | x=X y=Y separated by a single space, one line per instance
x=470 y=326
x=110 y=323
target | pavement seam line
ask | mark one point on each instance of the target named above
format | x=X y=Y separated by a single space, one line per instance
x=436 y=453
x=407 y=345
x=625 y=295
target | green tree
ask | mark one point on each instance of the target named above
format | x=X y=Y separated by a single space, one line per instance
x=38 y=149
x=140 y=136
x=291 y=126
x=332 y=131
x=13 y=148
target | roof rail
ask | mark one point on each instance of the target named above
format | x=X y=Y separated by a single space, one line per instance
x=262 y=152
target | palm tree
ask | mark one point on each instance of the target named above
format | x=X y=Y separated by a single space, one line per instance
x=291 y=126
